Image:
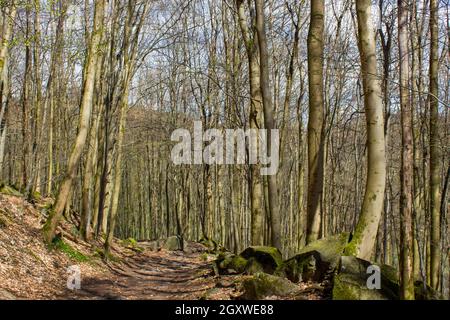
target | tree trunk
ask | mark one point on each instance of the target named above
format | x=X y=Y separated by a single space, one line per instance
x=268 y=121
x=83 y=127
x=406 y=172
x=315 y=122
x=364 y=237
x=435 y=170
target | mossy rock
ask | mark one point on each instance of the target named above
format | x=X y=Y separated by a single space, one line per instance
x=422 y=292
x=262 y=285
x=316 y=261
x=174 y=243
x=253 y=266
x=305 y=267
x=8 y=190
x=350 y=282
x=210 y=244
x=268 y=257
x=229 y=263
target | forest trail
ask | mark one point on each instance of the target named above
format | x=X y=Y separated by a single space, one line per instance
x=152 y=275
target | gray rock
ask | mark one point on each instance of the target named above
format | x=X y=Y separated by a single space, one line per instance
x=173 y=243
x=263 y=284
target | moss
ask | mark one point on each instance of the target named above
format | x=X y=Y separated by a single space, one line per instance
x=269 y=257
x=342 y=291
x=11 y=191
x=132 y=244
x=330 y=248
x=59 y=244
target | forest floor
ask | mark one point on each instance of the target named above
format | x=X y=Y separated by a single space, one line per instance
x=31 y=270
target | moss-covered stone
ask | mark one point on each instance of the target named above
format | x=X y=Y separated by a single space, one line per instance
x=263 y=284
x=173 y=243
x=425 y=292
x=350 y=282
x=229 y=263
x=316 y=261
x=268 y=257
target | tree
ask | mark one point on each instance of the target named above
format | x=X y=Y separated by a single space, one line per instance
x=435 y=168
x=251 y=46
x=315 y=120
x=268 y=119
x=406 y=172
x=364 y=237
x=83 y=126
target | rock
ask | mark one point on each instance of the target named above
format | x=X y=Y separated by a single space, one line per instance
x=253 y=266
x=6 y=295
x=422 y=292
x=210 y=244
x=173 y=243
x=350 y=282
x=316 y=261
x=269 y=258
x=229 y=263
x=263 y=284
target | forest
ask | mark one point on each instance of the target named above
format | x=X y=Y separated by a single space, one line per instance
x=225 y=149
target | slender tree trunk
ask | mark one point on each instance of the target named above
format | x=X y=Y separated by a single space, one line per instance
x=406 y=172
x=364 y=237
x=315 y=122
x=268 y=120
x=256 y=196
x=85 y=115
x=435 y=170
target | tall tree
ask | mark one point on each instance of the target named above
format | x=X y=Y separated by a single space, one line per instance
x=268 y=120
x=251 y=46
x=315 y=120
x=364 y=237
x=435 y=168
x=406 y=172
x=83 y=126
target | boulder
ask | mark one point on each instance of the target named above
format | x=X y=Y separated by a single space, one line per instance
x=262 y=284
x=268 y=258
x=316 y=261
x=173 y=243
x=350 y=282
x=229 y=263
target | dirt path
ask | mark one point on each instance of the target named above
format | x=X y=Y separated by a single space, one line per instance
x=152 y=275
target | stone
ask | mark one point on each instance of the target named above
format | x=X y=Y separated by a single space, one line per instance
x=350 y=282
x=269 y=258
x=173 y=243
x=316 y=261
x=262 y=284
